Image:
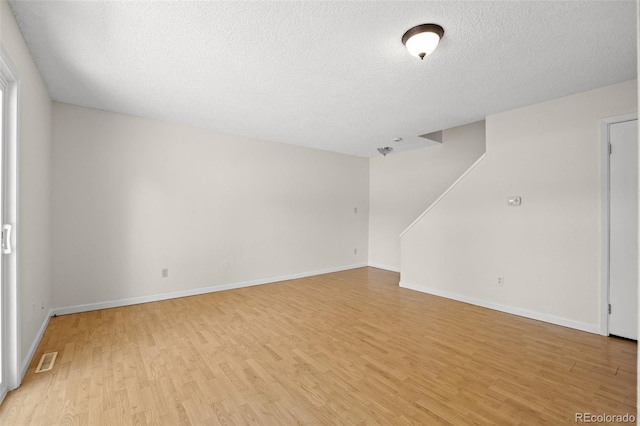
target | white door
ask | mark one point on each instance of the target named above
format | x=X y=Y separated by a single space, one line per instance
x=623 y=229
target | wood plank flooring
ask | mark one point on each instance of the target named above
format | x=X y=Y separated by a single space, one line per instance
x=345 y=348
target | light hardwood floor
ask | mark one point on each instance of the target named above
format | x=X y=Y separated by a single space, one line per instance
x=344 y=348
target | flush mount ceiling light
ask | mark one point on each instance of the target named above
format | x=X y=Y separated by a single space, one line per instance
x=422 y=40
x=385 y=150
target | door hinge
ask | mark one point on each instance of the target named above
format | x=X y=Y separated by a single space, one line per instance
x=610 y=149
x=609 y=308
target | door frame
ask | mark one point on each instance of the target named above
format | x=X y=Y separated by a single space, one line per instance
x=10 y=297
x=605 y=187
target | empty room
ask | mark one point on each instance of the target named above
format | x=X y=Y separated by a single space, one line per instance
x=318 y=212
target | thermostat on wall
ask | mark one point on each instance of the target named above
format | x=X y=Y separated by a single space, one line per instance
x=514 y=201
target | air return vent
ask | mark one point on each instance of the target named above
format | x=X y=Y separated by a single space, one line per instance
x=46 y=362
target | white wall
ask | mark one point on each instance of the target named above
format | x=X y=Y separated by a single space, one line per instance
x=133 y=196
x=548 y=249
x=34 y=176
x=403 y=185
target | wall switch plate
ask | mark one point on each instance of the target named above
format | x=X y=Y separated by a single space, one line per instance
x=514 y=201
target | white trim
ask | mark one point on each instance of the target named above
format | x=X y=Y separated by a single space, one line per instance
x=604 y=228
x=552 y=319
x=11 y=297
x=444 y=194
x=195 y=291
x=34 y=346
x=385 y=267
x=605 y=123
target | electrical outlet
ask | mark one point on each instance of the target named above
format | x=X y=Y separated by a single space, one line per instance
x=355 y=210
x=355 y=251
x=165 y=273
x=500 y=281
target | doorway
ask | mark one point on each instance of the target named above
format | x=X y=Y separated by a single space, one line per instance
x=620 y=227
x=9 y=325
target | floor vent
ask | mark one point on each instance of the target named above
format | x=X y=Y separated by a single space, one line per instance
x=46 y=362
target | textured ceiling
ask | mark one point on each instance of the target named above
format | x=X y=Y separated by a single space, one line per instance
x=327 y=75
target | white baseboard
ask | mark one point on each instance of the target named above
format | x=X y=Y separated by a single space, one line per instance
x=552 y=319
x=385 y=267
x=34 y=346
x=195 y=291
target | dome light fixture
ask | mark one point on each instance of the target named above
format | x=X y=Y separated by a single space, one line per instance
x=422 y=40
x=385 y=150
